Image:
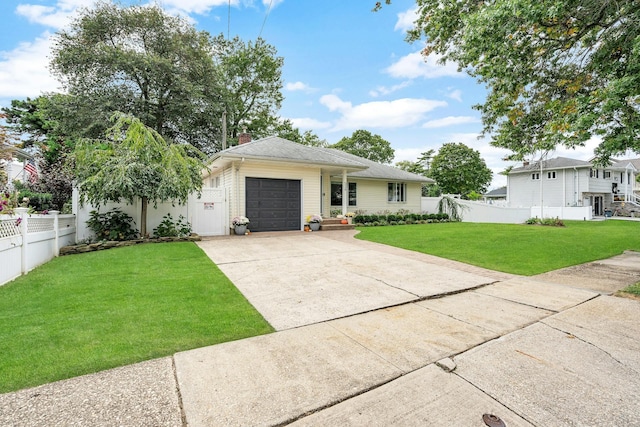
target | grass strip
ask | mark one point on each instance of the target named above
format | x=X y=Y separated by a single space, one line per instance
x=84 y=313
x=513 y=248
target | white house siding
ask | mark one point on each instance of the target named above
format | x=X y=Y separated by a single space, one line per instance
x=522 y=190
x=372 y=197
x=565 y=190
x=234 y=179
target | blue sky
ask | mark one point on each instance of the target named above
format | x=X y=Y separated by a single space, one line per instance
x=345 y=68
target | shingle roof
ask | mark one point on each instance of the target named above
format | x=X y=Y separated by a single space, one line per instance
x=498 y=192
x=621 y=164
x=555 y=163
x=377 y=170
x=279 y=149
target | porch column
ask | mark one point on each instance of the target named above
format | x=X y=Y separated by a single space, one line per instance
x=345 y=193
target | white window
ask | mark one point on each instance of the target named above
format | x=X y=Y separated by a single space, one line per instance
x=606 y=174
x=551 y=175
x=535 y=175
x=397 y=192
x=594 y=173
x=336 y=194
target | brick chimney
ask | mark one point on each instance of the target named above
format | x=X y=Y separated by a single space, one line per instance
x=244 y=137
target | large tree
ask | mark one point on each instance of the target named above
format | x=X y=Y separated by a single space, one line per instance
x=459 y=169
x=250 y=77
x=367 y=145
x=40 y=123
x=558 y=72
x=141 y=61
x=134 y=161
x=284 y=128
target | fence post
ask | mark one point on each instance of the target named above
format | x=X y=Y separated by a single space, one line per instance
x=23 y=218
x=56 y=244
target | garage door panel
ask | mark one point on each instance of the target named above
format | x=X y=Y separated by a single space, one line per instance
x=273 y=204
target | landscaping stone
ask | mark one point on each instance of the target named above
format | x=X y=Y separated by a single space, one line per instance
x=99 y=246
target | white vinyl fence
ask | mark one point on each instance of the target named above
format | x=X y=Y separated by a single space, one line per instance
x=483 y=212
x=27 y=241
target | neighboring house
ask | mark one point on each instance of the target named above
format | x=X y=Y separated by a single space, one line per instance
x=497 y=195
x=277 y=183
x=564 y=182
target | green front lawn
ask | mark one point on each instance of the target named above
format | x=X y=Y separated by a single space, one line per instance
x=518 y=249
x=84 y=313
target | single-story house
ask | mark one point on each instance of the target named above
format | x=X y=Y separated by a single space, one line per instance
x=277 y=183
x=565 y=182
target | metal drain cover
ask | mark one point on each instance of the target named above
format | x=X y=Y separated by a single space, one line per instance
x=493 y=420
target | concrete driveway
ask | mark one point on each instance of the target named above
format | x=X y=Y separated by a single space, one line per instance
x=297 y=279
x=370 y=335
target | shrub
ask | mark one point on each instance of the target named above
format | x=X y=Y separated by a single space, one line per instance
x=170 y=228
x=38 y=201
x=113 y=225
x=551 y=222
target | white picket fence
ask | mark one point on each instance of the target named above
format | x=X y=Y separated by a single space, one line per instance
x=27 y=241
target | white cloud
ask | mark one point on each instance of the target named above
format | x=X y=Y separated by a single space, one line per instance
x=57 y=16
x=456 y=94
x=383 y=90
x=450 y=121
x=307 y=123
x=200 y=7
x=415 y=65
x=406 y=19
x=298 y=86
x=24 y=70
x=379 y=114
x=579 y=153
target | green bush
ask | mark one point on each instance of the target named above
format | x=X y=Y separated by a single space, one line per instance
x=170 y=228
x=38 y=201
x=551 y=222
x=113 y=225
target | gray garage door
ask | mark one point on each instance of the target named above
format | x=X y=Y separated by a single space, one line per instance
x=273 y=204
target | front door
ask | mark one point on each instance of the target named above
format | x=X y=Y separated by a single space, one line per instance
x=597 y=203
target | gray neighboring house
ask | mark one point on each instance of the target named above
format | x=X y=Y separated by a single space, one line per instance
x=497 y=195
x=562 y=181
x=277 y=183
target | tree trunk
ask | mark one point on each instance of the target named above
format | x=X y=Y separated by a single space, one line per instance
x=143 y=217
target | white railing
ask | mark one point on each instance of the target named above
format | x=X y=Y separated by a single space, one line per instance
x=27 y=241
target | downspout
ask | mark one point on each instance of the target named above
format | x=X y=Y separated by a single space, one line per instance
x=564 y=191
x=576 y=186
x=541 y=189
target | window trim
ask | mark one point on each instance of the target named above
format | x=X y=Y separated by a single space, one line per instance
x=397 y=192
x=552 y=175
x=353 y=193
x=535 y=176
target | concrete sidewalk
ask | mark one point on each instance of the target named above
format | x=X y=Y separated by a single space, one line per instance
x=450 y=343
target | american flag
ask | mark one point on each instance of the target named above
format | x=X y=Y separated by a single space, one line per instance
x=32 y=170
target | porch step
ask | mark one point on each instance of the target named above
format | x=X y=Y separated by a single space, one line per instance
x=335 y=224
